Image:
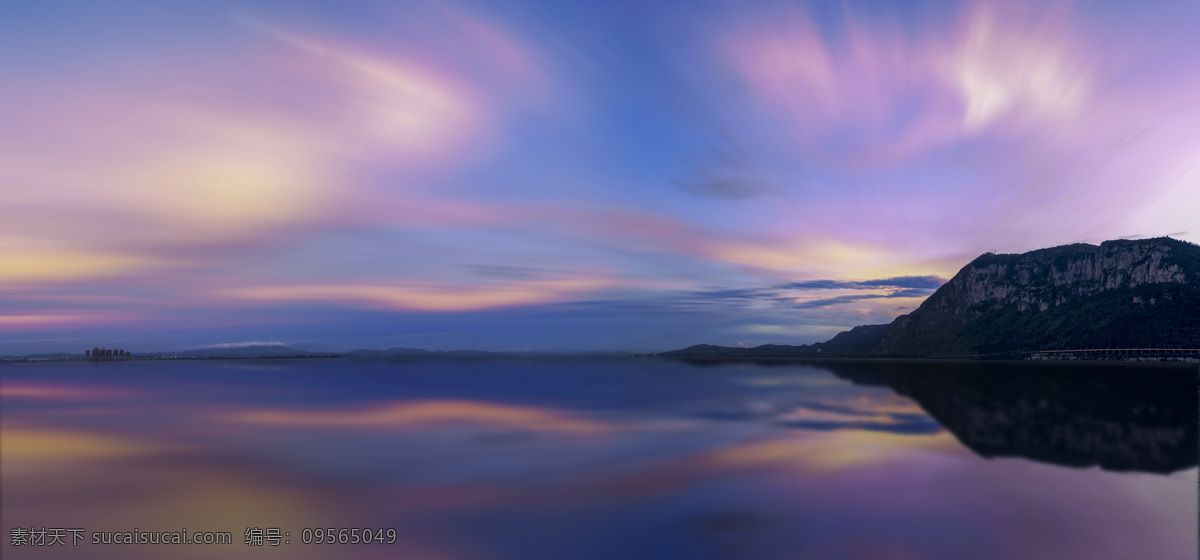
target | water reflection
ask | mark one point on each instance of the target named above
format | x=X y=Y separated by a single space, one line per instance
x=602 y=459
x=1121 y=420
x=1117 y=417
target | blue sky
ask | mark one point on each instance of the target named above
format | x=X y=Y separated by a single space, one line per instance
x=564 y=177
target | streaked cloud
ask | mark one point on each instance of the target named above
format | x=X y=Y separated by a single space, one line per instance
x=905 y=282
x=747 y=169
x=427 y=296
x=876 y=94
x=1018 y=69
x=824 y=256
x=401 y=106
x=43 y=320
x=41 y=265
x=247 y=344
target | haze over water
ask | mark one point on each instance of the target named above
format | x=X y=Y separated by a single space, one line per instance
x=621 y=458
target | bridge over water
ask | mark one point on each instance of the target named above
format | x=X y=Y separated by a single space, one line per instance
x=1164 y=354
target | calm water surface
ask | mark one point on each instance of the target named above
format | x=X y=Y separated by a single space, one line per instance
x=631 y=458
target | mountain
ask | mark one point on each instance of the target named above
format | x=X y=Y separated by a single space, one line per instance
x=1121 y=294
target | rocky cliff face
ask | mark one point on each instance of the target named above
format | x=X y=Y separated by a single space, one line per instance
x=1052 y=277
x=1121 y=293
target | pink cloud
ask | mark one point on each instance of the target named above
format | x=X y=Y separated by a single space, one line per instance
x=878 y=95
x=409 y=295
x=52 y=320
x=247 y=146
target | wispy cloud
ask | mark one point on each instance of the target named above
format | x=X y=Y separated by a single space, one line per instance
x=759 y=172
x=425 y=296
x=726 y=173
x=814 y=294
x=246 y=344
x=876 y=95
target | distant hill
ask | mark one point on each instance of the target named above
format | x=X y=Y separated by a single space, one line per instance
x=397 y=351
x=858 y=341
x=281 y=351
x=256 y=351
x=1120 y=294
x=402 y=353
x=34 y=357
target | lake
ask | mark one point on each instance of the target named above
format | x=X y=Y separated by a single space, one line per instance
x=601 y=459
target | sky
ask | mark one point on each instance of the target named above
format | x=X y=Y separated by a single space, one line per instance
x=564 y=176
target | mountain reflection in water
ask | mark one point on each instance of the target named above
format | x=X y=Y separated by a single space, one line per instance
x=1112 y=416
x=1100 y=416
x=599 y=459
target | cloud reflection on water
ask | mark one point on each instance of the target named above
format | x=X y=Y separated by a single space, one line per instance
x=426 y=414
x=548 y=459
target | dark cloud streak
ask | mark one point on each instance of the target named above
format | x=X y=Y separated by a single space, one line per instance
x=913 y=292
x=902 y=282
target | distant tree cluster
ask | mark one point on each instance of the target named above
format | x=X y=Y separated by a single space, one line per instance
x=98 y=353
